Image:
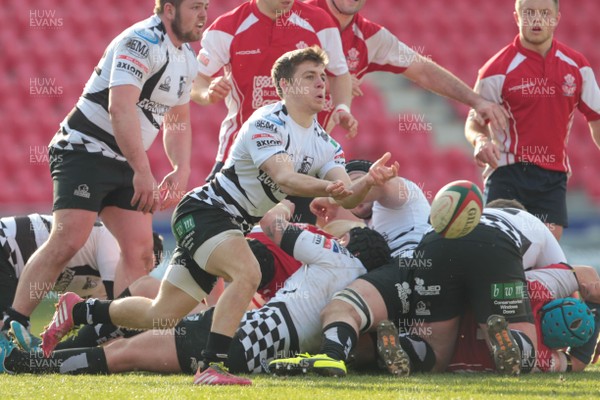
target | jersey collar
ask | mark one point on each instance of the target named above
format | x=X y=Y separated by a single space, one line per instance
x=531 y=53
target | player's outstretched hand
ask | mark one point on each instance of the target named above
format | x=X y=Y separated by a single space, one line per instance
x=337 y=190
x=380 y=173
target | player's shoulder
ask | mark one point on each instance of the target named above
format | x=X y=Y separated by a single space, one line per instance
x=570 y=55
x=499 y=63
x=143 y=38
x=270 y=117
x=369 y=28
x=230 y=21
x=315 y=15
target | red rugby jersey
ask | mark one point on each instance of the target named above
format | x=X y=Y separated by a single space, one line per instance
x=540 y=94
x=368 y=47
x=246 y=42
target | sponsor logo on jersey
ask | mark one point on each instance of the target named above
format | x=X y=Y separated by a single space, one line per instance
x=203 y=58
x=133 y=61
x=306 y=164
x=431 y=290
x=82 y=190
x=263 y=91
x=268 y=126
x=148 y=35
x=182 y=83
x=265 y=143
x=421 y=309
x=266 y=180
x=129 y=69
x=261 y=136
x=247 y=52
x=166 y=85
x=403 y=294
x=153 y=106
x=569 y=86
x=137 y=48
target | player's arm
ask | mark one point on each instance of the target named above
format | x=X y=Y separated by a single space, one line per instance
x=485 y=150
x=437 y=79
x=281 y=170
x=341 y=96
x=379 y=174
x=595 y=131
x=177 y=140
x=276 y=220
x=123 y=113
x=207 y=90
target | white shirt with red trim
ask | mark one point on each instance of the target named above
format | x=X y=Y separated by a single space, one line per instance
x=247 y=43
x=540 y=95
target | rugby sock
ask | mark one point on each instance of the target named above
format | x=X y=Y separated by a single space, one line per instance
x=12 y=315
x=586 y=351
x=528 y=355
x=126 y=293
x=92 y=336
x=338 y=339
x=91 y=312
x=76 y=361
x=422 y=357
x=217 y=348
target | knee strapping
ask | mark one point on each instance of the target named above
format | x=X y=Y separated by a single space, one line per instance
x=360 y=306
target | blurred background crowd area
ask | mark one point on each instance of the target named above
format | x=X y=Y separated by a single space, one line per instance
x=50 y=47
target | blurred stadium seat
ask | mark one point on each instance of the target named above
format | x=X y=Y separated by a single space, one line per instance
x=460 y=35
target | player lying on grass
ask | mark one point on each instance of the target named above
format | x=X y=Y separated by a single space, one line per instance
x=287 y=324
x=506 y=242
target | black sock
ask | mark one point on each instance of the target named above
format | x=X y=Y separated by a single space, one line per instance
x=217 y=348
x=64 y=362
x=94 y=335
x=126 y=293
x=338 y=339
x=422 y=357
x=92 y=312
x=528 y=356
x=12 y=315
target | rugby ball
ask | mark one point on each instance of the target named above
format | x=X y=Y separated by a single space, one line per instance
x=456 y=209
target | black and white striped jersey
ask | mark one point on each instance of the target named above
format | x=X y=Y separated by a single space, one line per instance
x=535 y=241
x=403 y=227
x=143 y=56
x=242 y=188
x=95 y=262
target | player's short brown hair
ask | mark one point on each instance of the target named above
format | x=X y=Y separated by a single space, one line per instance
x=285 y=66
x=506 y=203
x=159 y=5
x=518 y=4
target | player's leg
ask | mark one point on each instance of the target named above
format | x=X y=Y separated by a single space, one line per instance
x=133 y=231
x=8 y=283
x=367 y=301
x=233 y=260
x=70 y=230
x=153 y=350
x=497 y=292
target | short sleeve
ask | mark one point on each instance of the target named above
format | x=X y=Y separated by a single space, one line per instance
x=131 y=64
